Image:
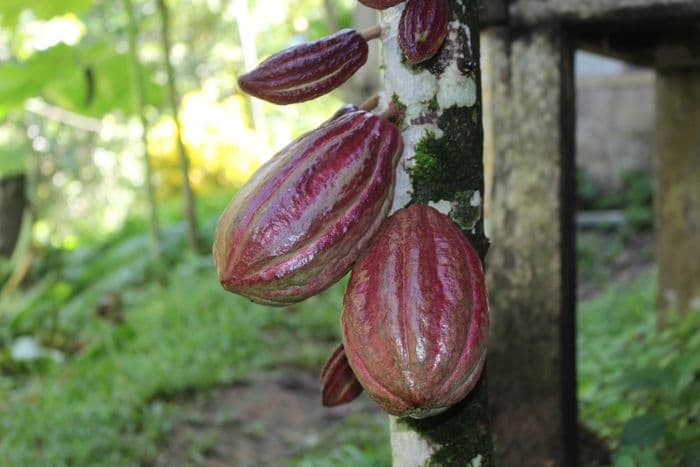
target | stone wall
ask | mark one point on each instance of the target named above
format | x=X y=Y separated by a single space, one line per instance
x=615 y=125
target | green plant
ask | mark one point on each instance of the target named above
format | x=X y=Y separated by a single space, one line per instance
x=639 y=386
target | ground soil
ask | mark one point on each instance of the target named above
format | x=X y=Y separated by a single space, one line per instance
x=261 y=421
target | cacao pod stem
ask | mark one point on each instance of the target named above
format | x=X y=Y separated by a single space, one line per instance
x=372 y=33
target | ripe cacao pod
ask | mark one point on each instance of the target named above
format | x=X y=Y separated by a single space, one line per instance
x=422 y=29
x=338 y=383
x=306 y=71
x=415 y=314
x=303 y=218
x=380 y=4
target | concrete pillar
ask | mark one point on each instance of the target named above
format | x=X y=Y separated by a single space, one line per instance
x=530 y=194
x=677 y=159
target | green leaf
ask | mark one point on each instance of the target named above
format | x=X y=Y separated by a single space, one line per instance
x=22 y=80
x=692 y=456
x=42 y=9
x=643 y=430
x=58 y=74
x=11 y=162
x=649 y=378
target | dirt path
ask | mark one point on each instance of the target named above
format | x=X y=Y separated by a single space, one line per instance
x=262 y=421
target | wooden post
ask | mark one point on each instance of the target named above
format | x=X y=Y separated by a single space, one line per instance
x=442 y=164
x=529 y=157
x=677 y=157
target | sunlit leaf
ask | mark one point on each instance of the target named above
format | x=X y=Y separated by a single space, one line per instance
x=42 y=9
x=22 y=80
x=59 y=74
x=11 y=162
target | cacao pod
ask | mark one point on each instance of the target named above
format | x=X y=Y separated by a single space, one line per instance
x=338 y=383
x=422 y=29
x=344 y=110
x=415 y=314
x=306 y=71
x=303 y=218
x=380 y=4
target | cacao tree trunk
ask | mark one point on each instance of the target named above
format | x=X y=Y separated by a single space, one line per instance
x=187 y=193
x=12 y=204
x=442 y=165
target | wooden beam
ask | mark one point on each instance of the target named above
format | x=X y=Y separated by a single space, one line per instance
x=657 y=44
x=493 y=12
x=546 y=11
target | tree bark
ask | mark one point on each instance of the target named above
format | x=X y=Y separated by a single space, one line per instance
x=140 y=108
x=187 y=193
x=530 y=207
x=12 y=204
x=442 y=165
x=677 y=156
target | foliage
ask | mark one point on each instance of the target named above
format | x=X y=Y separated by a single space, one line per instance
x=635 y=196
x=44 y=9
x=640 y=386
x=361 y=441
x=596 y=253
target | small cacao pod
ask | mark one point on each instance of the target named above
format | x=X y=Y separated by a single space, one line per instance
x=306 y=71
x=380 y=4
x=338 y=383
x=422 y=29
x=303 y=218
x=415 y=314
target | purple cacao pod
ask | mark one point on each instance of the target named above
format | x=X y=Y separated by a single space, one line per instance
x=306 y=71
x=301 y=221
x=380 y=4
x=422 y=29
x=415 y=315
x=338 y=383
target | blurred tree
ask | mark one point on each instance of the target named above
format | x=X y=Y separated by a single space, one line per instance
x=246 y=34
x=140 y=104
x=188 y=195
x=12 y=204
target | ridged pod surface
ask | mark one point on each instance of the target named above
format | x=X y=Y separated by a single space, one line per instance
x=303 y=218
x=338 y=383
x=422 y=29
x=380 y=4
x=415 y=315
x=306 y=71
